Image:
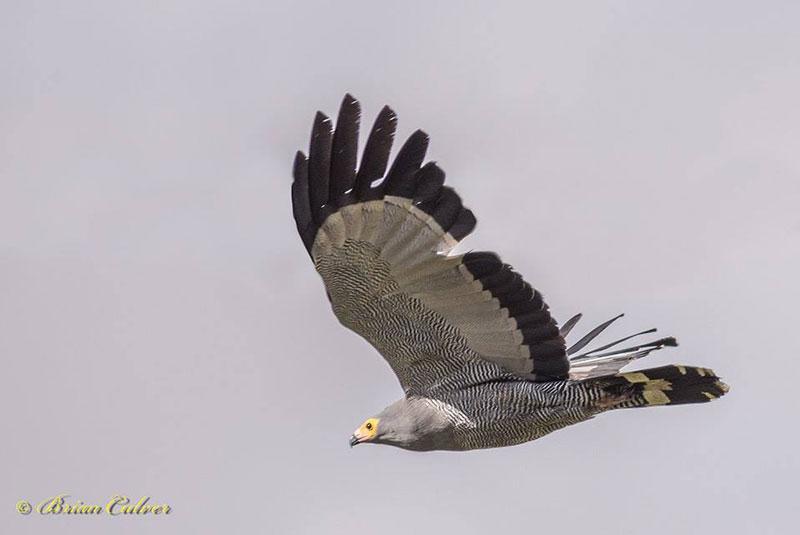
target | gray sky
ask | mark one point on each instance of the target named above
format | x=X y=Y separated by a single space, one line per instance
x=163 y=332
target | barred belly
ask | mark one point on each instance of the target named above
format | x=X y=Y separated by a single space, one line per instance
x=512 y=412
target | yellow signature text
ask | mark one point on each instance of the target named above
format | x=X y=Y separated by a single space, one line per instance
x=117 y=505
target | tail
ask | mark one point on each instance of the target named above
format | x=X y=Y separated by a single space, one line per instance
x=667 y=385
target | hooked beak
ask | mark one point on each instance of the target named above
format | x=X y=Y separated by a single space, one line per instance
x=354 y=441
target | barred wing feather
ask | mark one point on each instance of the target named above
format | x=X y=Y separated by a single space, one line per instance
x=383 y=244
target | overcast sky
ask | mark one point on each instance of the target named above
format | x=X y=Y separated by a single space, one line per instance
x=163 y=332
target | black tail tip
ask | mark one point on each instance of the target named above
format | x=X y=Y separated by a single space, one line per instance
x=675 y=385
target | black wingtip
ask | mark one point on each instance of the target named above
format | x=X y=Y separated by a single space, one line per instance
x=430 y=179
x=463 y=225
x=319 y=165
x=320 y=118
x=344 y=151
x=409 y=159
x=388 y=113
x=422 y=135
x=591 y=335
x=322 y=126
x=670 y=342
x=349 y=106
x=376 y=155
x=569 y=324
x=299 y=159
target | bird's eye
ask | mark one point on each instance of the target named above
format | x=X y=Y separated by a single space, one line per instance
x=369 y=426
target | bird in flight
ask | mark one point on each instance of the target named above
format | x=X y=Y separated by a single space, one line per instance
x=482 y=362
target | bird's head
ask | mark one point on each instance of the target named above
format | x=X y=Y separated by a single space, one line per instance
x=367 y=432
x=407 y=424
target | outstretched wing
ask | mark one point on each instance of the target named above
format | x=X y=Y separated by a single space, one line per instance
x=381 y=247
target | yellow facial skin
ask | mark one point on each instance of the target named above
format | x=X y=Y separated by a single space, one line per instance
x=366 y=432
